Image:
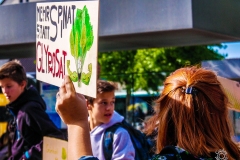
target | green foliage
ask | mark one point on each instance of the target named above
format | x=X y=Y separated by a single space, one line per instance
x=117 y=66
x=160 y=62
x=151 y=67
x=147 y=68
x=192 y=55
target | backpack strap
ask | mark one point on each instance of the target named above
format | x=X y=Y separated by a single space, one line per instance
x=139 y=140
x=108 y=141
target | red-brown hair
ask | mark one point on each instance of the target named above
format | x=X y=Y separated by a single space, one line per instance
x=197 y=122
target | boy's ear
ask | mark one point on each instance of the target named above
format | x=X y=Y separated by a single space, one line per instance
x=24 y=84
x=89 y=106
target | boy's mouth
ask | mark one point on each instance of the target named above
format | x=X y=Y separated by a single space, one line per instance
x=108 y=115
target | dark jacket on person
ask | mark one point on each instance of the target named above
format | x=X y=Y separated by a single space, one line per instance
x=175 y=153
x=31 y=123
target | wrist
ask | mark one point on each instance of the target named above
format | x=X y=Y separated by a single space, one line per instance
x=79 y=137
x=79 y=125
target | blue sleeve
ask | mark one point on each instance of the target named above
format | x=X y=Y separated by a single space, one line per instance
x=88 y=158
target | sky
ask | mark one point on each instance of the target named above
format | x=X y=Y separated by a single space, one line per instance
x=233 y=50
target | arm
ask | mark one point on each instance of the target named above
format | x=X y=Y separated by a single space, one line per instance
x=72 y=109
x=79 y=141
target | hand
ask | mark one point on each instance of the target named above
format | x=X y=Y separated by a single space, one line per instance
x=70 y=106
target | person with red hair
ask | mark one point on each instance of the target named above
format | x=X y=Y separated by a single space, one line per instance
x=191 y=118
x=192 y=115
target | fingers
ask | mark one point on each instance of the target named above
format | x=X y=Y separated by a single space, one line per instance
x=66 y=100
x=70 y=106
x=68 y=84
x=67 y=87
x=81 y=96
x=61 y=95
x=62 y=89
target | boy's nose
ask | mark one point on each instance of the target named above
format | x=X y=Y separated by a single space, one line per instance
x=4 y=91
x=109 y=106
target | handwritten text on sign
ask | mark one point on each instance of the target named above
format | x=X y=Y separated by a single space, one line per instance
x=55 y=59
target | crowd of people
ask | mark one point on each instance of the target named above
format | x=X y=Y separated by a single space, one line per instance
x=190 y=119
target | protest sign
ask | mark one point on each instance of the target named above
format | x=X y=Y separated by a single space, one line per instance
x=232 y=90
x=54 y=148
x=67 y=43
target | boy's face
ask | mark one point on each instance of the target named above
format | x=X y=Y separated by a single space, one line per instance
x=11 y=89
x=102 y=108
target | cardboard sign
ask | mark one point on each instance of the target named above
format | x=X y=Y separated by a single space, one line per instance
x=67 y=43
x=54 y=149
x=232 y=90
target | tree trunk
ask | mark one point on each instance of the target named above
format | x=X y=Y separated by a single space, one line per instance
x=128 y=114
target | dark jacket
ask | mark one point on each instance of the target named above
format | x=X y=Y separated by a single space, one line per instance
x=175 y=153
x=32 y=123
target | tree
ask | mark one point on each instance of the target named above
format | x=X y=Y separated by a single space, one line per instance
x=153 y=65
x=118 y=66
x=146 y=69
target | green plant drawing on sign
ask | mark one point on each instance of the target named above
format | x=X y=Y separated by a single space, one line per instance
x=64 y=154
x=73 y=75
x=87 y=76
x=81 y=39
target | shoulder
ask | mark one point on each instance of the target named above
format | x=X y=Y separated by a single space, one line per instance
x=116 y=128
x=121 y=130
x=31 y=106
x=32 y=110
x=173 y=152
x=120 y=135
x=117 y=131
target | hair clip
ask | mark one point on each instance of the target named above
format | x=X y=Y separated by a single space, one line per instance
x=190 y=90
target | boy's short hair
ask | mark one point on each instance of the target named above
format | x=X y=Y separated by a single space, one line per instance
x=13 y=70
x=102 y=86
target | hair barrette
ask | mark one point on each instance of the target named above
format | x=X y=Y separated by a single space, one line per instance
x=190 y=90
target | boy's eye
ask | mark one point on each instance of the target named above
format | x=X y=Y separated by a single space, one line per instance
x=113 y=102
x=104 y=103
x=8 y=86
